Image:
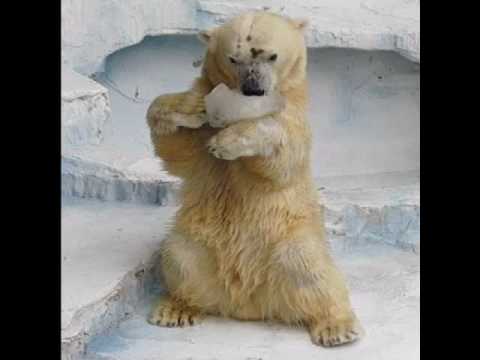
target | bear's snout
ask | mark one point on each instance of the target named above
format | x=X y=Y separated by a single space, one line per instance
x=251 y=87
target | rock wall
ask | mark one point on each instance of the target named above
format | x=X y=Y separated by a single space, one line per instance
x=91 y=30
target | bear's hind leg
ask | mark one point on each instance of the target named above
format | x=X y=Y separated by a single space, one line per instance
x=188 y=270
x=313 y=290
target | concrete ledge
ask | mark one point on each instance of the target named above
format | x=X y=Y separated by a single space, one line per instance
x=85 y=110
x=106 y=249
x=382 y=208
x=87 y=179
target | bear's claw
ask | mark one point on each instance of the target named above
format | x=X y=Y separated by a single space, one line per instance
x=168 y=315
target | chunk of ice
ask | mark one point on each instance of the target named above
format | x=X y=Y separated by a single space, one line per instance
x=225 y=106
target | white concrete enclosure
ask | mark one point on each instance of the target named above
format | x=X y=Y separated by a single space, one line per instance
x=363 y=70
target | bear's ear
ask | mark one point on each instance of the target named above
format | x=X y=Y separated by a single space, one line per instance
x=207 y=36
x=301 y=24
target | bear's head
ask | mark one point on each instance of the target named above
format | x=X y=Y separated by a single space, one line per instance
x=256 y=53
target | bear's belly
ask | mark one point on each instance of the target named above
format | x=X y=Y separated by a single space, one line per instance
x=225 y=214
x=241 y=229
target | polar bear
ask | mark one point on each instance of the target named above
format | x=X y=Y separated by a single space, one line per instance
x=248 y=240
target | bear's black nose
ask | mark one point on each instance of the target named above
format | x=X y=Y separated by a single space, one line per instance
x=251 y=88
x=253 y=92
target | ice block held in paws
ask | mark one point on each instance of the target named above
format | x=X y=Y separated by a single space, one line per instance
x=225 y=106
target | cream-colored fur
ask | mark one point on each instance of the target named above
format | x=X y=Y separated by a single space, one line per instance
x=248 y=241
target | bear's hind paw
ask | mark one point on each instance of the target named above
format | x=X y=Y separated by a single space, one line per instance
x=168 y=314
x=338 y=333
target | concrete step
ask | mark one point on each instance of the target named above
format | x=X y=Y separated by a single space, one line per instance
x=106 y=247
x=85 y=110
x=95 y=180
x=384 y=284
x=380 y=208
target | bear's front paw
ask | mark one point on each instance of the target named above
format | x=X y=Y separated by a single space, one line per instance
x=163 y=123
x=160 y=123
x=229 y=146
x=192 y=121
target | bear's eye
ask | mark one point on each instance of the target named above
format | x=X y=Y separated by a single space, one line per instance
x=232 y=60
x=273 y=57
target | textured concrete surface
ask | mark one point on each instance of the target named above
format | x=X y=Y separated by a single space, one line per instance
x=91 y=30
x=105 y=249
x=85 y=110
x=364 y=111
x=384 y=284
x=92 y=179
x=381 y=208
